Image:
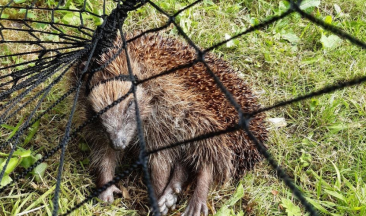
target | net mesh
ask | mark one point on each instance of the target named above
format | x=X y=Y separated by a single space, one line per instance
x=49 y=47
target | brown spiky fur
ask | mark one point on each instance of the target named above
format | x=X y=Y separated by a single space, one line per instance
x=174 y=107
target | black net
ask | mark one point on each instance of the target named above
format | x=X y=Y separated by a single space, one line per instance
x=48 y=47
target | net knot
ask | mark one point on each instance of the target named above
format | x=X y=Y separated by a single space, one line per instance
x=200 y=56
x=171 y=19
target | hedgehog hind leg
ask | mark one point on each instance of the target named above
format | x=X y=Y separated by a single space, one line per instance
x=169 y=198
x=197 y=204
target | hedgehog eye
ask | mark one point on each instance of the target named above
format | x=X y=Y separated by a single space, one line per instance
x=128 y=107
x=130 y=104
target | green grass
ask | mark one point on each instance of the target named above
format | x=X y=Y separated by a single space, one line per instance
x=323 y=146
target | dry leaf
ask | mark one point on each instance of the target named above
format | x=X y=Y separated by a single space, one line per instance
x=125 y=193
x=281 y=207
x=274 y=192
x=278 y=122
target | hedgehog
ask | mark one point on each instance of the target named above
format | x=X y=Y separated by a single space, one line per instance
x=177 y=106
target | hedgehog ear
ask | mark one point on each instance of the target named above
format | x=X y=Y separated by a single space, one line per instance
x=86 y=77
x=78 y=69
x=144 y=102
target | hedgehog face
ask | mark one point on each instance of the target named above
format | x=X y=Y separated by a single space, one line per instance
x=119 y=122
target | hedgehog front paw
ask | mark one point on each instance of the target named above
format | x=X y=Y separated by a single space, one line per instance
x=169 y=199
x=195 y=208
x=107 y=195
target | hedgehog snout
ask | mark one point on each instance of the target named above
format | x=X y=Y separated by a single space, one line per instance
x=118 y=141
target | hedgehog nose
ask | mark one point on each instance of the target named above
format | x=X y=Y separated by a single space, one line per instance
x=118 y=142
x=121 y=143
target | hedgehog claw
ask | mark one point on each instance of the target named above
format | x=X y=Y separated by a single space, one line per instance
x=165 y=212
x=195 y=209
x=168 y=200
x=107 y=195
